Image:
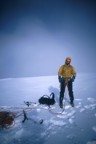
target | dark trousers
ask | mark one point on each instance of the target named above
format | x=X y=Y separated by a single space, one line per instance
x=70 y=90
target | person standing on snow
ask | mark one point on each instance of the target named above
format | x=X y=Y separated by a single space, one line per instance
x=66 y=77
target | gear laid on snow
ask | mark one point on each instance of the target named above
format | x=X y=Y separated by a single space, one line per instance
x=6 y=119
x=29 y=103
x=48 y=100
x=25 y=116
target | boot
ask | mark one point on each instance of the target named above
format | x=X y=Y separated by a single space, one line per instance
x=72 y=103
x=61 y=102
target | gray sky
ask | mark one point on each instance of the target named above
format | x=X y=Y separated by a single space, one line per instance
x=37 y=35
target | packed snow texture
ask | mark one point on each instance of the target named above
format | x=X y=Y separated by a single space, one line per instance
x=75 y=125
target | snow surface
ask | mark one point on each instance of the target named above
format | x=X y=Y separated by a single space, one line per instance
x=74 y=126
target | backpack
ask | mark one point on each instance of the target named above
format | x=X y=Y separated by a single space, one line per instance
x=47 y=100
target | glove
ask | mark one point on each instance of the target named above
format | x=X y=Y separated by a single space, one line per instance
x=60 y=79
x=73 y=78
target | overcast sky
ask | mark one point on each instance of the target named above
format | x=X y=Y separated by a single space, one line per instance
x=37 y=35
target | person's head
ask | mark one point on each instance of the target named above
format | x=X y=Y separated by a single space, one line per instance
x=68 y=61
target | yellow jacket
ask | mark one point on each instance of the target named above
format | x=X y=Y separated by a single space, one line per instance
x=66 y=71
